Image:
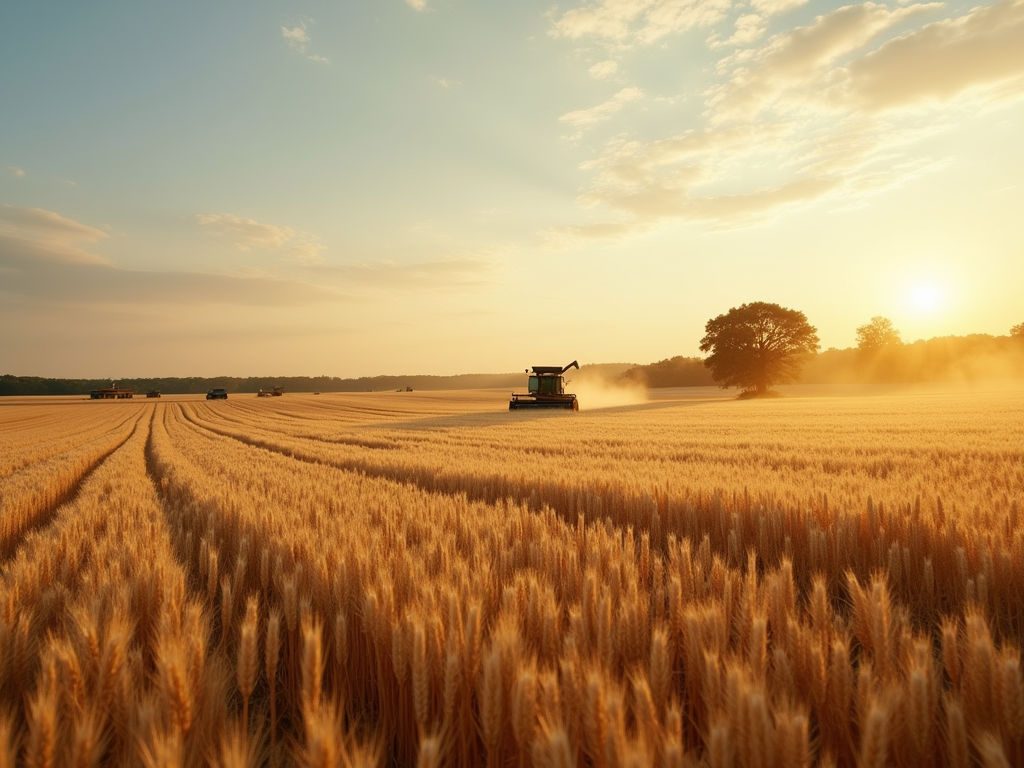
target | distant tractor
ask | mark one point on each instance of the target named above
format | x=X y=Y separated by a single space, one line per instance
x=217 y=394
x=546 y=389
x=153 y=393
x=113 y=392
x=275 y=392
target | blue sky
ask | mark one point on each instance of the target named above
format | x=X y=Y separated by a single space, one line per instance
x=451 y=186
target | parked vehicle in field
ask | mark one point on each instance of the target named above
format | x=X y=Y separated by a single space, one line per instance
x=153 y=393
x=546 y=389
x=113 y=392
x=217 y=394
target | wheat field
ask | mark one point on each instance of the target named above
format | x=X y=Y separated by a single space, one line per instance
x=424 y=579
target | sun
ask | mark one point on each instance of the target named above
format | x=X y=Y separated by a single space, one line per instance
x=927 y=296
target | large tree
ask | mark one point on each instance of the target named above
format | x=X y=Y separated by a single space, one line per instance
x=877 y=334
x=756 y=345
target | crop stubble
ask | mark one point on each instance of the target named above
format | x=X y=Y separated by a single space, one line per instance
x=417 y=578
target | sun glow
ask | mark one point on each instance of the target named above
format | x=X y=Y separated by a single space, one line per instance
x=927 y=297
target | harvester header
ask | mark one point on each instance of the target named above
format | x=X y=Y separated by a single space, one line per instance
x=546 y=389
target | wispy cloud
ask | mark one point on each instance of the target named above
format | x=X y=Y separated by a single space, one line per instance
x=797 y=64
x=637 y=22
x=82 y=285
x=446 y=83
x=417 y=5
x=776 y=7
x=43 y=258
x=297 y=37
x=749 y=28
x=18 y=172
x=604 y=69
x=461 y=271
x=298 y=40
x=38 y=235
x=248 y=234
x=980 y=51
x=585 y=118
x=833 y=108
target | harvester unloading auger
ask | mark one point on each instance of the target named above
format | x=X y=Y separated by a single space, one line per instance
x=546 y=390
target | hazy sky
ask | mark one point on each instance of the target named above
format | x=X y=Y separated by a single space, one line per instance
x=442 y=186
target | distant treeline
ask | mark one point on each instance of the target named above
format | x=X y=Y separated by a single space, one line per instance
x=675 y=372
x=949 y=358
x=34 y=385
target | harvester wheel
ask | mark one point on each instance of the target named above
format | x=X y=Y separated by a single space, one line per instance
x=575 y=405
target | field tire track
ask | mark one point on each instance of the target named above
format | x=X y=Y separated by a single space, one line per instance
x=663 y=517
x=186 y=551
x=591 y=505
x=188 y=564
x=43 y=518
x=187 y=516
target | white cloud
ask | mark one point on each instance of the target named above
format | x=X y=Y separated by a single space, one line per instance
x=749 y=29
x=18 y=172
x=792 y=62
x=604 y=69
x=417 y=5
x=297 y=37
x=776 y=7
x=983 y=49
x=298 y=40
x=248 y=234
x=637 y=22
x=585 y=118
x=445 y=83
x=37 y=235
x=833 y=109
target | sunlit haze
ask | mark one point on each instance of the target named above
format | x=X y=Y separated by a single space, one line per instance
x=927 y=297
x=446 y=186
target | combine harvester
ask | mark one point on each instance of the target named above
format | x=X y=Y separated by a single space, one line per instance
x=546 y=390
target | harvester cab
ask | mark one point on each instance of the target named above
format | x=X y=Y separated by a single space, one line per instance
x=546 y=389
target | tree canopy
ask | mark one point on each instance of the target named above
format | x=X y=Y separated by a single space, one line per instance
x=877 y=334
x=756 y=345
x=1017 y=332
